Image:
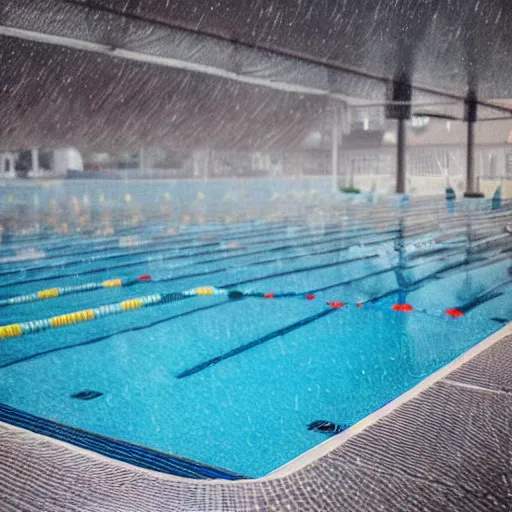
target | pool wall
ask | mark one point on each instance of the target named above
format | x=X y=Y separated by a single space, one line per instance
x=443 y=445
x=253 y=198
x=185 y=196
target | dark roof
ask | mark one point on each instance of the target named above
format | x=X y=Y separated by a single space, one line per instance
x=441 y=44
x=236 y=74
x=64 y=97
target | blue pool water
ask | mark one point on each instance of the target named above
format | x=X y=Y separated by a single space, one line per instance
x=249 y=410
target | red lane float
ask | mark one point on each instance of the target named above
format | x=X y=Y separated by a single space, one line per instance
x=404 y=308
x=454 y=313
x=336 y=305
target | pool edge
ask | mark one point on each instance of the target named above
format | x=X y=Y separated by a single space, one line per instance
x=116 y=450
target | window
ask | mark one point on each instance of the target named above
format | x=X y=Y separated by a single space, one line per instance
x=509 y=164
x=365 y=164
x=428 y=162
x=367 y=118
x=492 y=165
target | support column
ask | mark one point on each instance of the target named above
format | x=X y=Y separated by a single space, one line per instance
x=335 y=136
x=208 y=161
x=35 y=162
x=470 y=160
x=471 y=104
x=350 y=181
x=9 y=170
x=399 y=108
x=340 y=126
x=142 y=162
x=400 y=157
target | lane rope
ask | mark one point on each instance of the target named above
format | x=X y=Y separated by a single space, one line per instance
x=85 y=315
x=52 y=293
x=22 y=328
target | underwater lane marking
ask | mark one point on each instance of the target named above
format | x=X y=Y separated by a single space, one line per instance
x=414 y=286
x=167 y=246
x=335 y=305
x=113 y=243
x=111 y=335
x=167 y=319
x=174 y=257
x=248 y=346
x=300 y=270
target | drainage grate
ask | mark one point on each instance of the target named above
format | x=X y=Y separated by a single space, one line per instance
x=326 y=427
x=87 y=394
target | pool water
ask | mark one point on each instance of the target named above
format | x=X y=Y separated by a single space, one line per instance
x=235 y=383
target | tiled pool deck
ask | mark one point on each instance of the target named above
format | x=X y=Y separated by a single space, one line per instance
x=443 y=446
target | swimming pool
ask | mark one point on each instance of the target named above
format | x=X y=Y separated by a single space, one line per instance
x=233 y=380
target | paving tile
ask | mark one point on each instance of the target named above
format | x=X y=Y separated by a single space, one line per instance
x=41 y=475
x=450 y=435
x=340 y=487
x=491 y=369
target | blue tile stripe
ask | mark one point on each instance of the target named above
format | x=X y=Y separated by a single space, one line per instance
x=113 y=448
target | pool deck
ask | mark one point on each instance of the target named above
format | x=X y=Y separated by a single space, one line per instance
x=443 y=446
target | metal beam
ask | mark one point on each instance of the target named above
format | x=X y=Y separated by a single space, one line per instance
x=421 y=104
x=17 y=24
x=169 y=62
x=295 y=54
